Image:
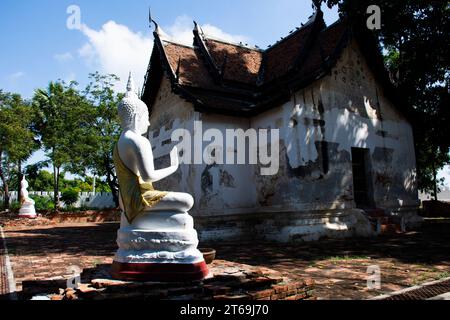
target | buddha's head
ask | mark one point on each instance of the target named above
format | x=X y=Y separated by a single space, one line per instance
x=133 y=112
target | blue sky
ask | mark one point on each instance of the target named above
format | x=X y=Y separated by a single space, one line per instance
x=38 y=47
x=115 y=37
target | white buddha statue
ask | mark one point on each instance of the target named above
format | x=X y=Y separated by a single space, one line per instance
x=27 y=209
x=157 y=240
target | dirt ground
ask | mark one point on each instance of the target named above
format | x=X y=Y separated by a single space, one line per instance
x=338 y=266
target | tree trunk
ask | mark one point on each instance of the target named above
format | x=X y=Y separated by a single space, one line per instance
x=5 y=185
x=56 y=186
x=113 y=186
x=434 y=182
x=111 y=178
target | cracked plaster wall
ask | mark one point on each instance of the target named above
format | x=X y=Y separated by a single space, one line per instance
x=318 y=128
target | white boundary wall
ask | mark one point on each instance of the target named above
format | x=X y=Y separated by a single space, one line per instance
x=98 y=200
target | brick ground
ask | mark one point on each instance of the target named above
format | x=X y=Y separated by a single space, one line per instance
x=338 y=267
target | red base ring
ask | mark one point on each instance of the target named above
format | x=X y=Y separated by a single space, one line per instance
x=159 y=272
x=25 y=216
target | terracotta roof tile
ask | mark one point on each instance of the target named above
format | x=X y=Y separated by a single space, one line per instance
x=308 y=46
x=283 y=55
x=242 y=64
x=324 y=46
x=193 y=71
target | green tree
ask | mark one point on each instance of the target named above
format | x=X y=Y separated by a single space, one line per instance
x=103 y=130
x=40 y=181
x=61 y=119
x=414 y=39
x=17 y=139
x=70 y=196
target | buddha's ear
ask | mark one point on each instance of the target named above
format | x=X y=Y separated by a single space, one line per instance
x=135 y=122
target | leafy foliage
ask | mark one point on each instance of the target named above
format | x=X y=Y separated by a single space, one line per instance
x=70 y=196
x=17 y=138
x=62 y=118
x=42 y=202
x=104 y=128
x=77 y=130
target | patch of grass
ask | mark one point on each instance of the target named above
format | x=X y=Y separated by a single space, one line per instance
x=347 y=258
x=97 y=262
x=443 y=275
x=420 y=279
x=429 y=276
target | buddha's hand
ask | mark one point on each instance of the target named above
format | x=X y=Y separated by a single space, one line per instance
x=174 y=162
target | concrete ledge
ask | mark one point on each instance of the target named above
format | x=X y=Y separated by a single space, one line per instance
x=285 y=226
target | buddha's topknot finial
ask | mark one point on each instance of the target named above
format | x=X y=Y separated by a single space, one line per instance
x=130 y=84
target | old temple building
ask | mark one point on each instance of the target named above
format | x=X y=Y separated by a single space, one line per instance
x=346 y=150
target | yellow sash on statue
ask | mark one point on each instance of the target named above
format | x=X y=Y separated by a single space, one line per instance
x=137 y=195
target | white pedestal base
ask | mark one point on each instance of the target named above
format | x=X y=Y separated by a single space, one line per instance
x=159 y=246
x=27 y=211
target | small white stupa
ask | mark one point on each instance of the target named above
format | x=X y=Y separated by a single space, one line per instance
x=27 y=209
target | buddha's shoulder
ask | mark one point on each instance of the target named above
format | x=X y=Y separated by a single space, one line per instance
x=133 y=140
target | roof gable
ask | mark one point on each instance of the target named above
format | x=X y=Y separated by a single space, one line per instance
x=222 y=77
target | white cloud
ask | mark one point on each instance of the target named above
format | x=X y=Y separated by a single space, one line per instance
x=181 y=32
x=63 y=57
x=17 y=75
x=117 y=49
x=70 y=77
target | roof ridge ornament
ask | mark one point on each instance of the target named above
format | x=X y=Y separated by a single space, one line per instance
x=199 y=29
x=151 y=20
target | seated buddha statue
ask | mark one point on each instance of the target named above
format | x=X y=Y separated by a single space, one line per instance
x=27 y=209
x=157 y=240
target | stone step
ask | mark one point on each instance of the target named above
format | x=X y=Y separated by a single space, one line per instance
x=382 y=222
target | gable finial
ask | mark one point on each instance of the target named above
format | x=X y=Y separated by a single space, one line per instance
x=151 y=20
x=198 y=28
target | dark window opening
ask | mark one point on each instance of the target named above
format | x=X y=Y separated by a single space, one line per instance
x=325 y=157
x=362 y=178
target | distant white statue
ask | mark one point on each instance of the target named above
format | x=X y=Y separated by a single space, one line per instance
x=27 y=209
x=157 y=240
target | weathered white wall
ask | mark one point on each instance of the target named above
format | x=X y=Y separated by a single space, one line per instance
x=347 y=109
x=217 y=188
x=343 y=110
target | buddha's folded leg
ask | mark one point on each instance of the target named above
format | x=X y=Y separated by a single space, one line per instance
x=170 y=201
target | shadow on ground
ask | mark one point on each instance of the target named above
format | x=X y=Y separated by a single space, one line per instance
x=427 y=245
x=430 y=244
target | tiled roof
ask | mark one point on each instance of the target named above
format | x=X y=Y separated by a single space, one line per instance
x=237 y=62
x=229 y=78
x=281 y=57
x=324 y=46
x=192 y=70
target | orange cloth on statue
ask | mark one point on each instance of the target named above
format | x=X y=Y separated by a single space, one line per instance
x=136 y=194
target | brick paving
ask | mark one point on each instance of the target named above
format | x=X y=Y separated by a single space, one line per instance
x=226 y=281
x=338 y=266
